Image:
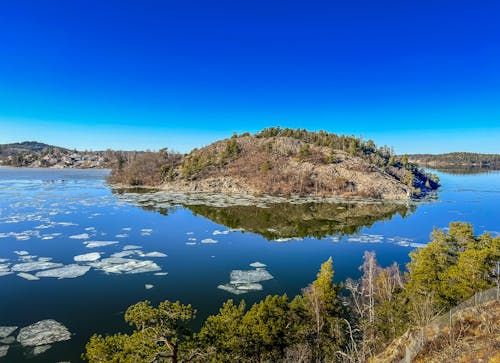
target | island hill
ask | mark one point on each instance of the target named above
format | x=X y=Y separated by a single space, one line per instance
x=278 y=161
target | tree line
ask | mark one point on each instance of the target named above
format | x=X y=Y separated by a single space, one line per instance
x=326 y=322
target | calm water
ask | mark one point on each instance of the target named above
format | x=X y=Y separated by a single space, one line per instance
x=41 y=209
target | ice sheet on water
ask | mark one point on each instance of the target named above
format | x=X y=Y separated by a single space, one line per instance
x=41 y=349
x=88 y=257
x=95 y=244
x=8 y=340
x=161 y=273
x=42 y=333
x=131 y=247
x=117 y=265
x=123 y=253
x=21 y=253
x=151 y=254
x=217 y=232
x=5 y=331
x=121 y=235
x=126 y=229
x=28 y=276
x=249 y=276
x=148 y=286
x=80 y=236
x=257 y=265
x=4 y=349
x=66 y=272
x=208 y=240
x=34 y=266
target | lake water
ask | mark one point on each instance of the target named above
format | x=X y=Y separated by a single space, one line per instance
x=58 y=213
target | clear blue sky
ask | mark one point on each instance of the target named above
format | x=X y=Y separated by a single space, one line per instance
x=422 y=76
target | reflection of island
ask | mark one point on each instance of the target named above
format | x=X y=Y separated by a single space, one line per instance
x=271 y=217
x=287 y=220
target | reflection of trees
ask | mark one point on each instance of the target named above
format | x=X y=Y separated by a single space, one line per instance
x=463 y=170
x=318 y=220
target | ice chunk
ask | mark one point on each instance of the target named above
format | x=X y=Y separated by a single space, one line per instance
x=34 y=266
x=208 y=240
x=249 y=276
x=5 y=273
x=27 y=276
x=217 y=232
x=258 y=265
x=21 y=253
x=151 y=254
x=4 y=349
x=126 y=229
x=118 y=265
x=148 y=286
x=80 y=236
x=95 y=244
x=65 y=272
x=249 y=287
x=5 y=331
x=123 y=253
x=122 y=235
x=42 y=333
x=8 y=340
x=232 y=289
x=161 y=273
x=131 y=247
x=41 y=349
x=92 y=256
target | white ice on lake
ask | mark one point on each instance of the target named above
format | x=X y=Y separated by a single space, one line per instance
x=148 y=286
x=88 y=257
x=151 y=254
x=42 y=333
x=5 y=331
x=131 y=247
x=21 y=253
x=217 y=232
x=65 y=272
x=161 y=273
x=123 y=253
x=117 y=265
x=249 y=276
x=41 y=349
x=28 y=276
x=257 y=265
x=34 y=266
x=4 y=349
x=121 y=235
x=208 y=240
x=95 y=244
x=80 y=236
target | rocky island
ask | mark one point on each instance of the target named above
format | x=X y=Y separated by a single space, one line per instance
x=285 y=162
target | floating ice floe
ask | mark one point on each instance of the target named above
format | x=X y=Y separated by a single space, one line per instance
x=65 y=272
x=161 y=273
x=66 y=224
x=151 y=254
x=146 y=232
x=88 y=257
x=4 y=349
x=208 y=240
x=121 y=235
x=191 y=239
x=50 y=236
x=8 y=340
x=80 y=236
x=189 y=233
x=217 y=232
x=21 y=253
x=243 y=281
x=90 y=229
x=123 y=253
x=42 y=333
x=28 y=276
x=191 y=243
x=34 y=266
x=131 y=247
x=258 y=265
x=41 y=349
x=148 y=286
x=95 y=244
x=5 y=331
x=117 y=265
x=126 y=229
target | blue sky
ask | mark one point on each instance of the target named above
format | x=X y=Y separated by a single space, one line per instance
x=422 y=76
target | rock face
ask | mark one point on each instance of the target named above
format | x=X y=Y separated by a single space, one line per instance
x=42 y=333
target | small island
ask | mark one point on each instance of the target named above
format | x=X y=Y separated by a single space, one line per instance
x=282 y=161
